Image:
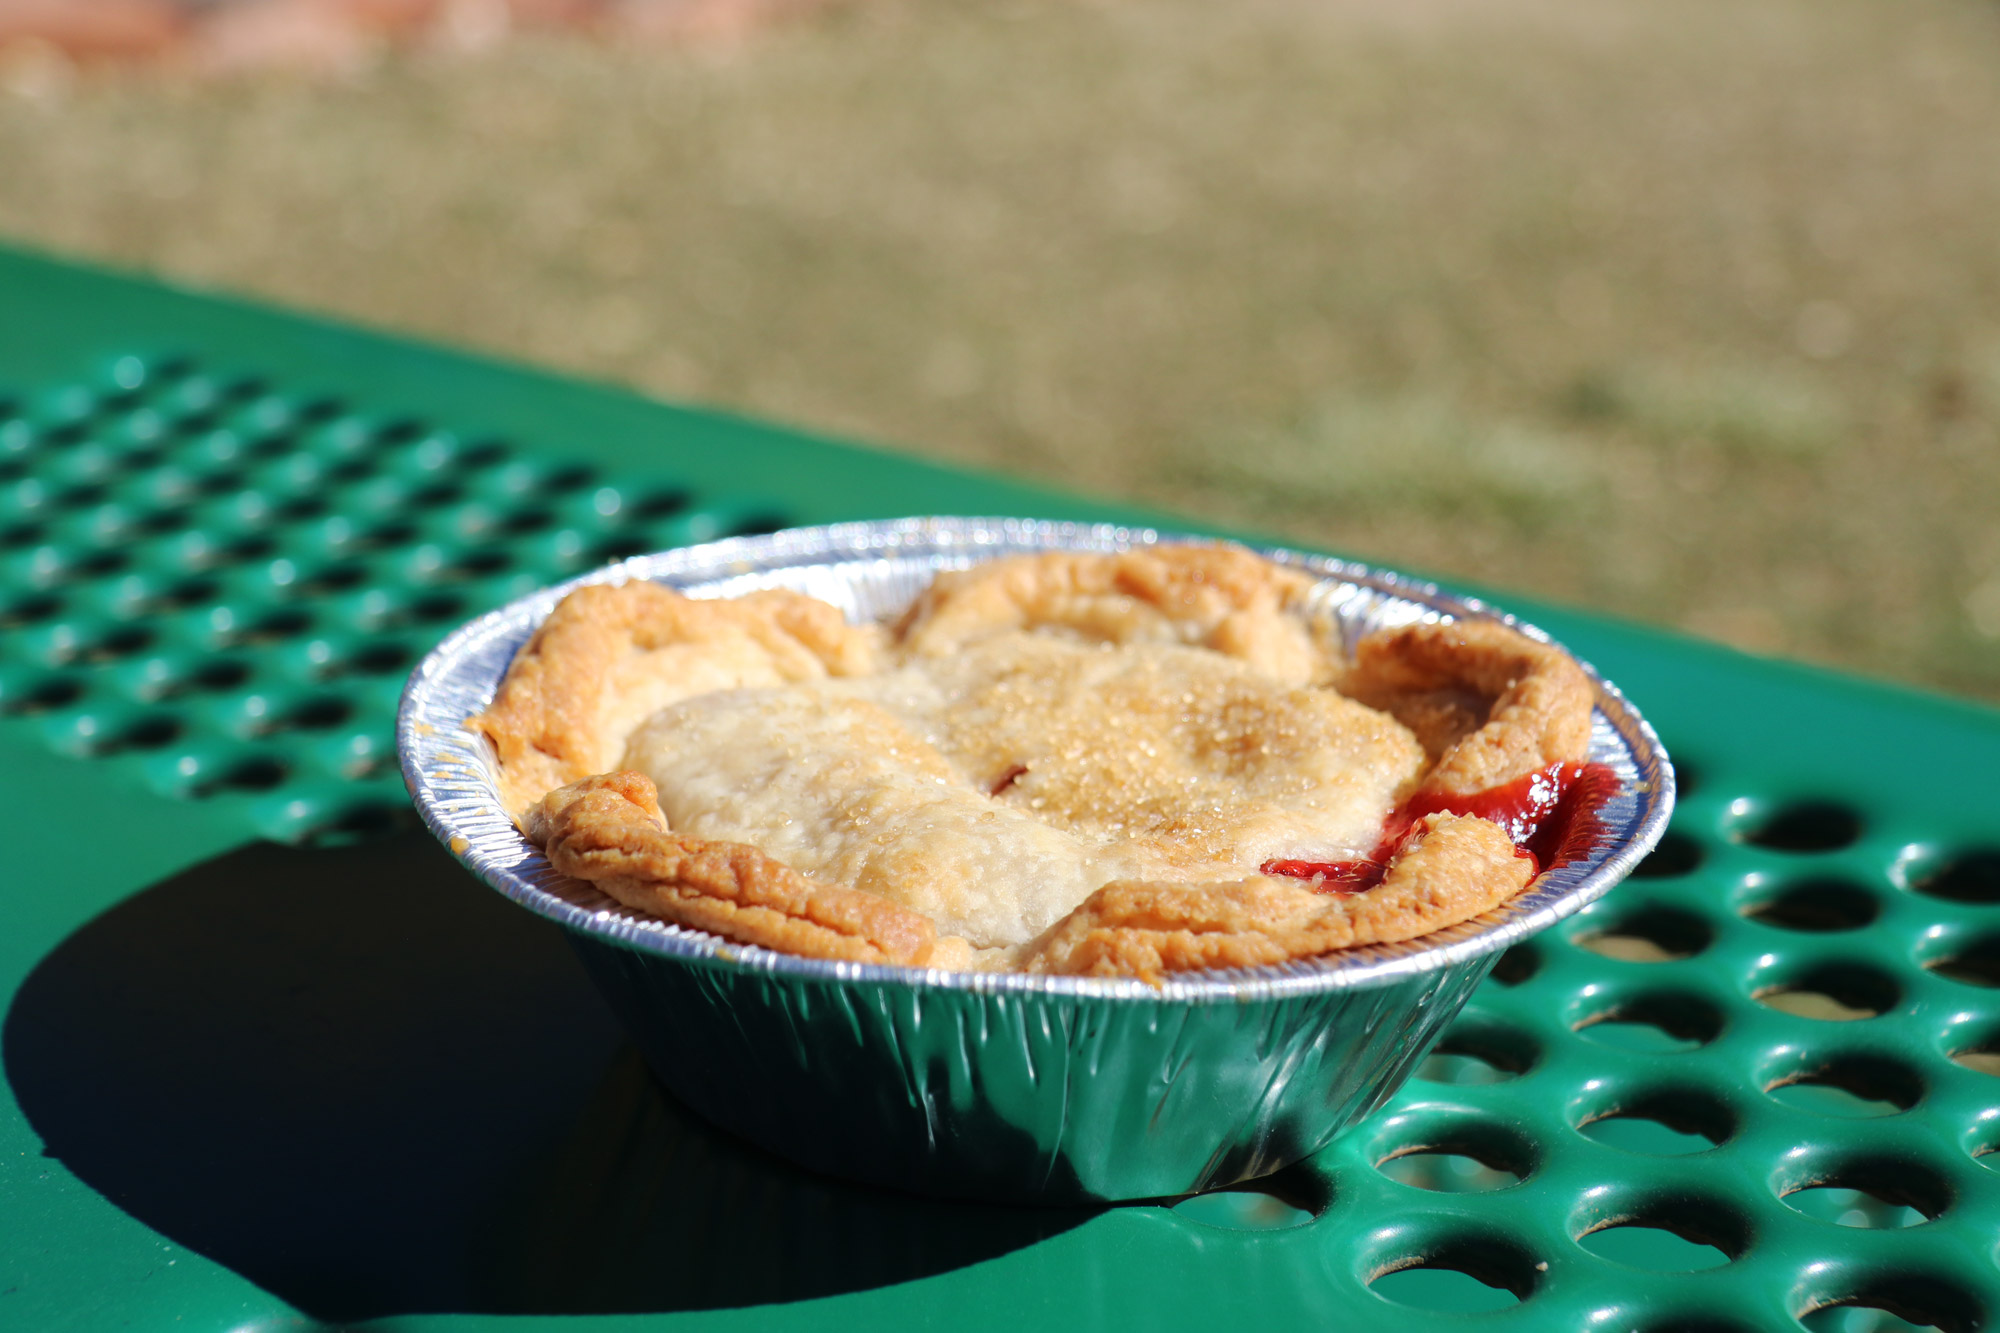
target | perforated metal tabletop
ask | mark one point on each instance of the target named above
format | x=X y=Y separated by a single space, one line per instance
x=272 y=1060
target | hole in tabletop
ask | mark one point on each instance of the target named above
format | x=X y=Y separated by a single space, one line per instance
x=1850 y=1086
x=273 y=628
x=96 y=565
x=1876 y=1193
x=572 y=477
x=438 y=495
x=1674 y=1235
x=172 y=366
x=524 y=521
x=1654 y=1023
x=1970 y=877
x=121 y=642
x=81 y=497
x=265 y=448
x=1854 y=1208
x=384 y=536
x=1468 y=1276
x=366 y=819
x=247 y=548
x=620 y=548
x=1446 y=1172
x=1447 y=1290
x=1670 y=1123
x=141 y=454
x=333 y=578
x=149 y=733
x=1650 y=935
x=479 y=564
x=1676 y=854
x=483 y=453
x=661 y=504
x=401 y=430
x=160 y=523
x=1816 y=905
x=1981 y=1057
x=212 y=675
x=1859 y=1318
x=261 y=773
x=1976 y=963
x=20 y=534
x=220 y=483
x=1839 y=993
x=1290 y=1198
x=1516 y=965
x=436 y=606
x=314 y=715
x=42 y=697
x=375 y=659
x=184 y=594
x=1656 y=1248
x=756 y=525
x=1474 y=1054
x=1897 y=1304
x=1241 y=1210
x=1642 y=1134
x=190 y=419
x=1801 y=826
x=1460 y=1070
x=31 y=610
x=318 y=411
x=1471 y=1157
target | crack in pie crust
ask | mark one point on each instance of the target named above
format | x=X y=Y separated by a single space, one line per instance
x=1067 y=762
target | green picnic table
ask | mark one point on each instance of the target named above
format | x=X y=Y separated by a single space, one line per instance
x=274 y=1061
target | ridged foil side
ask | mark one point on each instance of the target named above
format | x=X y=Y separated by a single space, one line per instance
x=1051 y=1098
x=1081 y=1087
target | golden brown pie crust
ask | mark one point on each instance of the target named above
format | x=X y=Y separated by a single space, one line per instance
x=609 y=830
x=1487 y=703
x=1452 y=868
x=1219 y=597
x=607 y=658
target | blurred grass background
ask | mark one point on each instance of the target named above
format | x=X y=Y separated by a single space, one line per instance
x=1686 y=311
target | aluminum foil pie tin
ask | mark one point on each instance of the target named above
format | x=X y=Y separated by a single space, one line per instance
x=1000 y=1086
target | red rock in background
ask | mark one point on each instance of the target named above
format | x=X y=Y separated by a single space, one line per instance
x=95 y=29
x=695 y=20
x=221 y=36
x=304 y=34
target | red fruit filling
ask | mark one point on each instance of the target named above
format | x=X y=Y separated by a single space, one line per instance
x=1551 y=814
x=1330 y=876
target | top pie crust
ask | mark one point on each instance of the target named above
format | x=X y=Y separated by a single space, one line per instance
x=1066 y=762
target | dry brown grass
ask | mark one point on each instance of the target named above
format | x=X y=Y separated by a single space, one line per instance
x=1690 y=311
